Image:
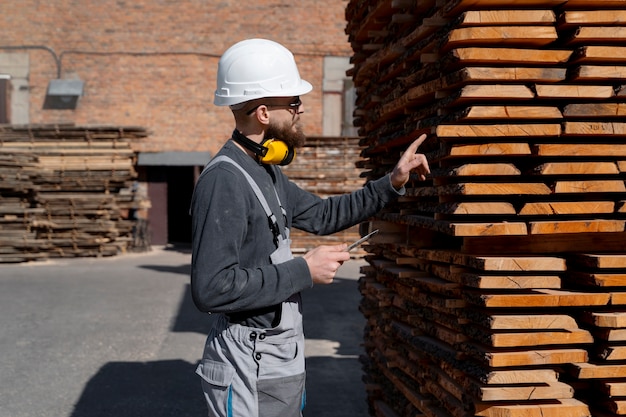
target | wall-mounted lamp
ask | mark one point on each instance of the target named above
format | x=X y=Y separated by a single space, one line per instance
x=63 y=94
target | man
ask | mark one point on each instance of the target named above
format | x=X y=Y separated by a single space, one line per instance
x=243 y=272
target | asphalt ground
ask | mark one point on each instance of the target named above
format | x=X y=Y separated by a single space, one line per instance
x=119 y=336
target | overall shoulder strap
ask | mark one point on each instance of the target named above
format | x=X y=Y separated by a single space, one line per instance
x=257 y=191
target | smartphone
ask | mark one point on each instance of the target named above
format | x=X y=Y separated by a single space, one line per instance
x=363 y=239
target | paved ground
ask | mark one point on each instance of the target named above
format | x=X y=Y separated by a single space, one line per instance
x=120 y=337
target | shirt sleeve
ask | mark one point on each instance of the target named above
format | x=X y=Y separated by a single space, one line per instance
x=333 y=214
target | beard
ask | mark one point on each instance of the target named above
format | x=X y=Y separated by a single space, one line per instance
x=285 y=132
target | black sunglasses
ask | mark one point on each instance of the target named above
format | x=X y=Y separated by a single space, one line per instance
x=295 y=106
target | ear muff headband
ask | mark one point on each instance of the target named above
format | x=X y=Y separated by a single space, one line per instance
x=270 y=151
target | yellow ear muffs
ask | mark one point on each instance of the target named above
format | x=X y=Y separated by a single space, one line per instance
x=278 y=153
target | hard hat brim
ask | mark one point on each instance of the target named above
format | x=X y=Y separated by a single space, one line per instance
x=229 y=100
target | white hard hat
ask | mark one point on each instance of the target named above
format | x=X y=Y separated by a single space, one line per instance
x=257 y=68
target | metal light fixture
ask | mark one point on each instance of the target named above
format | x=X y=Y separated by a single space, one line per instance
x=63 y=94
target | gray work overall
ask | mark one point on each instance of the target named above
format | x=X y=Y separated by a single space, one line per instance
x=250 y=372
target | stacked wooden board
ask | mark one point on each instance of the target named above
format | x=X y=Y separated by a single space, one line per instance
x=325 y=166
x=67 y=191
x=497 y=287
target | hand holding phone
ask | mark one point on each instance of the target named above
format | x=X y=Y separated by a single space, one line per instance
x=360 y=241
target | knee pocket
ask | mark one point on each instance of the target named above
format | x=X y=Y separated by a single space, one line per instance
x=217 y=379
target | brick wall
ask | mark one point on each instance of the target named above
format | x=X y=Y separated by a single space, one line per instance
x=153 y=63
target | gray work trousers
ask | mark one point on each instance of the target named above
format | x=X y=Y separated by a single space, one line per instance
x=248 y=372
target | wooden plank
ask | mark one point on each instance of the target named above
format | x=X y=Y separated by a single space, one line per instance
x=574 y=18
x=577 y=168
x=537 y=338
x=590 y=110
x=510 y=281
x=594 y=371
x=508 y=17
x=478 y=169
x=564 y=407
x=599 y=73
x=527 y=36
x=599 y=35
x=470 y=208
x=450 y=132
x=54 y=144
x=455 y=7
x=533 y=392
x=600 y=54
x=613 y=389
x=489 y=92
x=522 y=321
x=565 y=208
x=538 y=298
x=611 y=319
x=580 y=149
x=494 y=189
x=495 y=149
x=517 y=376
x=562 y=91
x=594 y=4
x=611 y=353
x=510 y=112
x=534 y=357
x=610 y=335
x=590 y=186
x=486 y=56
x=601 y=261
x=576 y=226
x=618 y=298
x=503 y=75
x=597 y=279
x=511 y=263
x=594 y=128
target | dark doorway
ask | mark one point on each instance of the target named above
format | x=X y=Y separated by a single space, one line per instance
x=180 y=183
x=170 y=189
x=4 y=100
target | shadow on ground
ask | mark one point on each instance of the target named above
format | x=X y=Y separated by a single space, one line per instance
x=132 y=389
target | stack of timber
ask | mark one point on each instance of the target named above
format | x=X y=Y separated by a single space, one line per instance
x=498 y=286
x=326 y=166
x=67 y=191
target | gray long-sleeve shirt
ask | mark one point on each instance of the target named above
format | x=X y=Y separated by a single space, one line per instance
x=231 y=239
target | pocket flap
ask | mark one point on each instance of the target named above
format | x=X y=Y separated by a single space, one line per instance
x=216 y=373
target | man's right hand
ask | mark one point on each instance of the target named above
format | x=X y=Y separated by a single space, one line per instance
x=324 y=261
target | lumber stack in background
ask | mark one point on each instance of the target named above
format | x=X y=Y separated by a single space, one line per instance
x=326 y=166
x=498 y=286
x=68 y=191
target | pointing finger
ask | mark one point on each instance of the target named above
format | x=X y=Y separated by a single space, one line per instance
x=416 y=144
